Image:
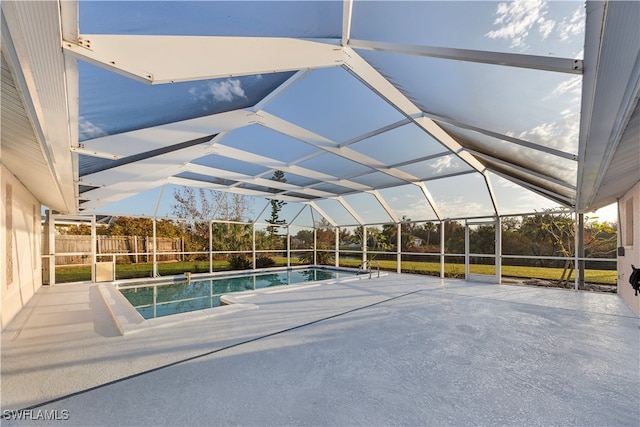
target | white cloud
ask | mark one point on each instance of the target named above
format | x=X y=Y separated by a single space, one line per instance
x=517 y=18
x=571 y=86
x=460 y=207
x=574 y=26
x=443 y=164
x=222 y=91
x=227 y=90
x=418 y=209
x=562 y=134
x=545 y=27
x=88 y=130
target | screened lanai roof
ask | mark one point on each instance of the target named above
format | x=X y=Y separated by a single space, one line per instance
x=374 y=110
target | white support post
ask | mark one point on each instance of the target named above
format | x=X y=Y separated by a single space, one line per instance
x=576 y=252
x=210 y=247
x=52 y=248
x=467 y=258
x=580 y=249
x=94 y=258
x=155 y=249
x=253 y=245
x=289 y=247
x=364 y=245
x=337 y=248
x=442 y=249
x=315 y=247
x=399 y=248
x=498 y=246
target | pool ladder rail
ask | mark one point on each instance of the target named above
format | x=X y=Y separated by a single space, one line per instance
x=365 y=267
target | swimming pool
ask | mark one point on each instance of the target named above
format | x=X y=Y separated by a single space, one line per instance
x=163 y=299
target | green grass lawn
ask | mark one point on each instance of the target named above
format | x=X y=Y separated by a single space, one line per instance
x=129 y=271
x=604 y=277
x=82 y=273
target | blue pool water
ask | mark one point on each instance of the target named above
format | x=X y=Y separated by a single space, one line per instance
x=163 y=299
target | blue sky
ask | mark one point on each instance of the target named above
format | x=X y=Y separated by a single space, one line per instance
x=545 y=110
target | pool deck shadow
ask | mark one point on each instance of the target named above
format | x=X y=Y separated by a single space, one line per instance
x=395 y=350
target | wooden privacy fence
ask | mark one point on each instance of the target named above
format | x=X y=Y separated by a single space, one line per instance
x=132 y=249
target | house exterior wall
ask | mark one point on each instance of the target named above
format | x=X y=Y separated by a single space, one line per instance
x=629 y=239
x=20 y=246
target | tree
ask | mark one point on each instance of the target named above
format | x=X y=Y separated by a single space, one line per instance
x=325 y=234
x=131 y=226
x=201 y=206
x=454 y=237
x=305 y=239
x=276 y=206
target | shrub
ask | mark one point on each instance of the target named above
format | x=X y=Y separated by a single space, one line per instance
x=322 y=258
x=239 y=263
x=264 y=261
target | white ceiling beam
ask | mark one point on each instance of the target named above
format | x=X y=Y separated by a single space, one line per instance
x=294 y=131
x=248 y=179
x=290 y=82
x=117 y=192
x=372 y=78
x=517 y=141
x=385 y=206
x=267 y=162
x=449 y=142
x=449 y=175
x=142 y=140
x=546 y=63
x=347 y=12
x=544 y=192
x=157 y=59
x=422 y=159
x=375 y=132
x=162 y=165
x=350 y=210
x=527 y=171
x=492 y=194
x=185 y=182
x=285 y=197
x=297 y=215
x=430 y=200
x=323 y=213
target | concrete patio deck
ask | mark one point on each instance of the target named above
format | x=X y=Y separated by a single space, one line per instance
x=395 y=350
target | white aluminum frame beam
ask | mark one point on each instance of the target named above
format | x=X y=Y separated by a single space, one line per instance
x=524 y=170
x=294 y=131
x=290 y=82
x=144 y=57
x=502 y=137
x=249 y=179
x=347 y=11
x=141 y=140
x=318 y=209
x=385 y=206
x=492 y=195
x=430 y=200
x=544 y=192
x=351 y=211
x=546 y=63
x=372 y=78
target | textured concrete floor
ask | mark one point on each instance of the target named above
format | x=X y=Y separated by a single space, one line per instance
x=398 y=350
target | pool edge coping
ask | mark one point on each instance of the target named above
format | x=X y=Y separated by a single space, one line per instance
x=128 y=320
